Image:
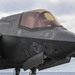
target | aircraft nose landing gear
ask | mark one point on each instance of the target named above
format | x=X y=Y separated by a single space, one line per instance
x=17 y=71
x=33 y=71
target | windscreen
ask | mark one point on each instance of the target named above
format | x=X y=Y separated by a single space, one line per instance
x=38 y=20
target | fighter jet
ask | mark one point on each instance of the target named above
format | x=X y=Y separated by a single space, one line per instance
x=34 y=40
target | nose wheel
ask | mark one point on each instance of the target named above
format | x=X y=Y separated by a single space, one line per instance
x=17 y=71
x=33 y=71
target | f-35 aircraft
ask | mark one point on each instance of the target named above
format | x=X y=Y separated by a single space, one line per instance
x=34 y=40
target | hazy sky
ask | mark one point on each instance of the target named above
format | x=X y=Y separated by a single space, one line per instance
x=64 y=10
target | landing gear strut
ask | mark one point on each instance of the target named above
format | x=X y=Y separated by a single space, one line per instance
x=33 y=71
x=17 y=71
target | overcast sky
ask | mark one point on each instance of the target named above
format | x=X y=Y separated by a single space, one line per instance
x=64 y=10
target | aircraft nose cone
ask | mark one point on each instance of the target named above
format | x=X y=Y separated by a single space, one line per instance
x=63 y=35
x=63 y=42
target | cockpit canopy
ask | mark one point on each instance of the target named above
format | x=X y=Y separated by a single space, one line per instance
x=38 y=19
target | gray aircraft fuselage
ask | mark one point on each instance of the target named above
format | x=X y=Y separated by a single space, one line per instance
x=34 y=47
